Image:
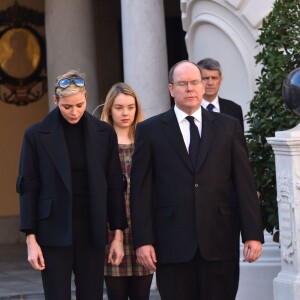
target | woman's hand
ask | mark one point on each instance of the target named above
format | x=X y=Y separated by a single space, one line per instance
x=34 y=252
x=116 y=251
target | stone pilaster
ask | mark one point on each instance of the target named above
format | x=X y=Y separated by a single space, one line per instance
x=145 y=53
x=286 y=146
x=71 y=44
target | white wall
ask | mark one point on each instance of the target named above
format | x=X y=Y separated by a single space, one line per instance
x=227 y=31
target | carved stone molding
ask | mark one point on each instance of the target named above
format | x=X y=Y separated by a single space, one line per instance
x=286 y=205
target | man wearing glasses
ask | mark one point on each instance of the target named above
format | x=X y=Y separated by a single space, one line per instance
x=192 y=194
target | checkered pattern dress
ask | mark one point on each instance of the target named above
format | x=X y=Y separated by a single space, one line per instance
x=129 y=266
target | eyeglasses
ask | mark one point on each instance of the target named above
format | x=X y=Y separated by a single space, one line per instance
x=65 y=82
x=185 y=83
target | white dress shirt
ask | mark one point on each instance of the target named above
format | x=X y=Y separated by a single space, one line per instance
x=184 y=124
x=215 y=102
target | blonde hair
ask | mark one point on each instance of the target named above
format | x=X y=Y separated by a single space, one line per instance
x=72 y=88
x=116 y=89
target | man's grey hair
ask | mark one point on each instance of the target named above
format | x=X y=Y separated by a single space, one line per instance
x=210 y=64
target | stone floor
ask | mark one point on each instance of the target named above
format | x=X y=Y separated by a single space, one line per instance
x=19 y=281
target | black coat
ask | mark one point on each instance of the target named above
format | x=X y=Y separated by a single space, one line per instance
x=44 y=181
x=177 y=210
x=231 y=108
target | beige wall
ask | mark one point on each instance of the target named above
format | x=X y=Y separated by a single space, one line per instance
x=13 y=121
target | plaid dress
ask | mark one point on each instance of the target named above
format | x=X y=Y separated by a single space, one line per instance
x=129 y=266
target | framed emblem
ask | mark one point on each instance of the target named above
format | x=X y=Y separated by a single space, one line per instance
x=22 y=56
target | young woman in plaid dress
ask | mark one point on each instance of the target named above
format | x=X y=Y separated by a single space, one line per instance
x=128 y=280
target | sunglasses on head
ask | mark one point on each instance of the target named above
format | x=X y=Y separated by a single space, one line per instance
x=64 y=83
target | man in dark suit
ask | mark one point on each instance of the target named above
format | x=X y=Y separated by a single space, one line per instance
x=187 y=213
x=212 y=76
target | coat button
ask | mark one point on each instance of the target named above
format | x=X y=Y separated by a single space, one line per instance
x=196 y=184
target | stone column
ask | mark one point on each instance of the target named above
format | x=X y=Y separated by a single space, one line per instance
x=145 y=53
x=71 y=44
x=286 y=146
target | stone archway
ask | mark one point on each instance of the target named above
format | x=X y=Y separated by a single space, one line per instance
x=227 y=31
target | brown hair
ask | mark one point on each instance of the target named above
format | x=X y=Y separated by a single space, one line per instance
x=116 y=89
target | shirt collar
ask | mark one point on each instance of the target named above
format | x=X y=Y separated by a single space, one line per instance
x=180 y=115
x=215 y=102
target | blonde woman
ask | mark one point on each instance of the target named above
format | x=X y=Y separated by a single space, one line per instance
x=70 y=185
x=122 y=110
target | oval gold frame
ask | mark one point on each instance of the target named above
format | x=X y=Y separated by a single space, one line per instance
x=20 y=53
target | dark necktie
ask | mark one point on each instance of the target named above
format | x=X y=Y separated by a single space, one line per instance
x=194 y=141
x=210 y=107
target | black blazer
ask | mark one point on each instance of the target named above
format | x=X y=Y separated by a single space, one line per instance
x=178 y=210
x=44 y=181
x=232 y=109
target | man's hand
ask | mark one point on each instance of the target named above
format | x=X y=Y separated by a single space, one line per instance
x=34 y=252
x=252 y=251
x=146 y=257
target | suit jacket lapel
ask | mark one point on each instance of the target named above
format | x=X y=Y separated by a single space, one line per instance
x=209 y=130
x=93 y=143
x=174 y=135
x=53 y=140
x=223 y=106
